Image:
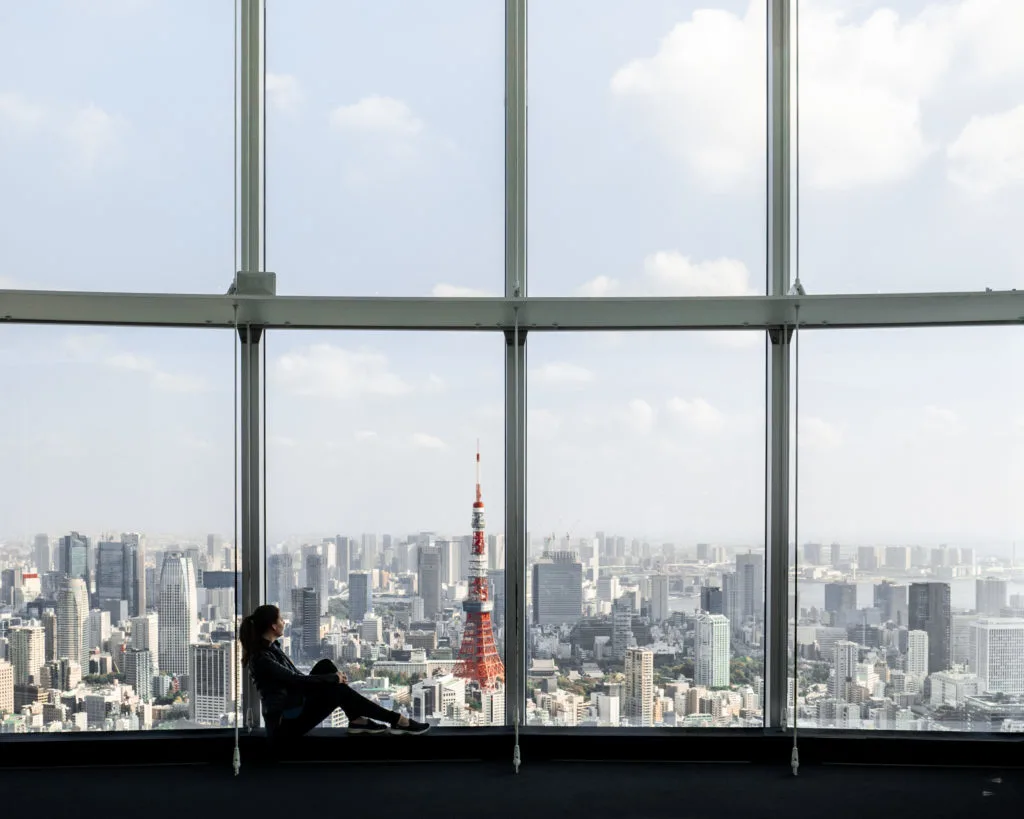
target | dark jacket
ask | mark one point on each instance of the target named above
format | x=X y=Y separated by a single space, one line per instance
x=281 y=685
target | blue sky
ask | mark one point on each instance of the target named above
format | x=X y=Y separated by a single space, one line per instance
x=384 y=176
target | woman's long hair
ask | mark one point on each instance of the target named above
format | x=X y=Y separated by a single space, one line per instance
x=254 y=626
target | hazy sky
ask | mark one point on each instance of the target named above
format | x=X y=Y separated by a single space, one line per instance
x=385 y=176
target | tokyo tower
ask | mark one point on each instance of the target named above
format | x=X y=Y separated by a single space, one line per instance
x=479 y=660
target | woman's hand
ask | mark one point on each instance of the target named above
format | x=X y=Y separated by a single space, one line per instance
x=342 y=677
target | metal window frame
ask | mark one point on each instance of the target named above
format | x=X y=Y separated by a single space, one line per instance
x=518 y=315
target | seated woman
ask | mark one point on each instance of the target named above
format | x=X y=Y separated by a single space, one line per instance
x=293 y=702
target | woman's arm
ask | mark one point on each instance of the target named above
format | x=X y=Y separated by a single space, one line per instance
x=263 y=665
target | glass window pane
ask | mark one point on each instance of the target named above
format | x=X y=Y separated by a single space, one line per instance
x=374 y=557
x=385 y=147
x=647 y=148
x=910 y=596
x=116 y=145
x=911 y=165
x=646 y=529
x=116 y=533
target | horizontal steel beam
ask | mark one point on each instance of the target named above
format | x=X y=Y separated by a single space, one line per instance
x=540 y=314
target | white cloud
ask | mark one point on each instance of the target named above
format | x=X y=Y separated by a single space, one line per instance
x=864 y=82
x=454 y=291
x=673 y=274
x=364 y=435
x=941 y=419
x=422 y=440
x=284 y=93
x=377 y=117
x=601 y=286
x=697 y=414
x=988 y=155
x=323 y=370
x=819 y=434
x=670 y=273
x=282 y=441
x=160 y=379
x=640 y=416
x=93 y=134
x=96 y=348
x=19 y=112
x=562 y=372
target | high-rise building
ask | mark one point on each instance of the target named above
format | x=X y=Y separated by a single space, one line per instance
x=917 y=654
x=845 y=658
x=342 y=556
x=450 y=561
x=835 y=555
x=280 y=580
x=214 y=547
x=305 y=631
x=712 y=651
x=28 y=653
x=317 y=579
x=929 y=610
x=135 y=547
x=898 y=558
x=49 y=621
x=990 y=595
x=370 y=557
x=42 y=553
x=711 y=600
x=750 y=586
x=74 y=557
x=812 y=554
x=867 y=558
x=998 y=655
x=640 y=687
x=178 y=613
x=97 y=629
x=146 y=634
x=659 y=598
x=139 y=672
x=6 y=687
x=117 y=566
x=840 y=601
x=557 y=589
x=72 y=612
x=622 y=627
x=429 y=579
x=891 y=600
x=360 y=596
x=212 y=679
x=496 y=558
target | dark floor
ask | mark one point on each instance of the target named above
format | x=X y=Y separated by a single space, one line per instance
x=558 y=790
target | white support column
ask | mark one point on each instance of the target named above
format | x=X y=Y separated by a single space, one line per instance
x=515 y=364
x=777 y=452
x=250 y=134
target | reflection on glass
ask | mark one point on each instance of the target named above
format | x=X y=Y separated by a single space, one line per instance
x=385 y=497
x=385 y=147
x=647 y=148
x=118 y=569
x=910 y=602
x=646 y=510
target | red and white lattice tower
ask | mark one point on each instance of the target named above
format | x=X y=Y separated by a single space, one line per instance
x=479 y=660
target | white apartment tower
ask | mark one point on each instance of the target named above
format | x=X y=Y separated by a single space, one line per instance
x=28 y=653
x=640 y=687
x=711 y=663
x=178 y=613
x=917 y=654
